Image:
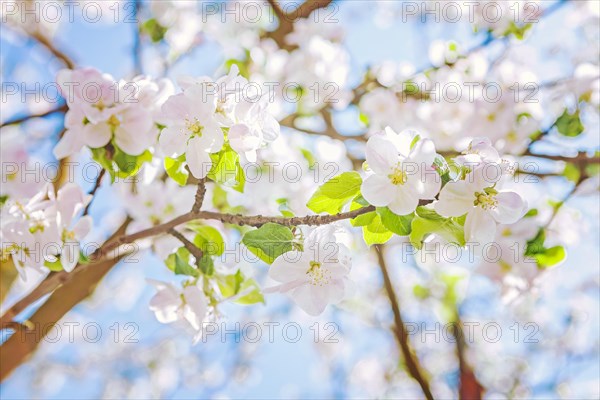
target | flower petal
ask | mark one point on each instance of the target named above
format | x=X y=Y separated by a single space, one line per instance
x=480 y=227
x=509 y=209
x=96 y=135
x=197 y=158
x=69 y=255
x=455 y=200
x=172 y=140
x=378 y=190
x=381 y=155
x=405 y=201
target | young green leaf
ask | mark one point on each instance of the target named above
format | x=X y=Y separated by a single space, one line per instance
x=208 y=239
x=269 y=241
x=175 y=168
x=398 y=224
x=226 y=169
x=375 y=232
x=569 y=124
x=331 y=196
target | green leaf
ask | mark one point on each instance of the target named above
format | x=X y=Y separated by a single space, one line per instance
x=233 y=284
x=54 y=266
x=269 y=241
x=310 y=158
x=153 y=29
x=178 y=262
x=398 y=224
x=545 y=257
x=284 y=208
x=208 y=239
x=175 y=168
x=226 y=169
x=127 y=164
x=206 y=265
x=100 y=155
x=427 y=221
x=571 y=172
x=421 y=292
x=536 y=245
x=183 y=267
x=253 y=294
x=551 y=257
x=569 y=124
x=375 y=232
x=335 y=193
x=363 y=219
x=230 y=285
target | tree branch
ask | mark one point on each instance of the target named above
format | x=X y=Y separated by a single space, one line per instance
x=53 y=49
x=413 y=366
x=56 y=279
x=50 y=283
x=23 y=343
x=19 y=120
x=191 y=247
x=94 y=190
x=286 y=20
x=200 y=192
x=469 y=387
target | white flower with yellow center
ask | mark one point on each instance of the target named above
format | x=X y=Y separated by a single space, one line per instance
x=192 y=128
x=315 y=277
x=483 y=204
x=403 y=171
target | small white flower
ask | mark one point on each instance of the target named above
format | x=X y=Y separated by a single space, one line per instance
x=253 y=128
x=484 y=205
x=71 y=200
x=316 y=276
x=192 y=128
x=402 y=175
x=187 y=305
x=480 y=150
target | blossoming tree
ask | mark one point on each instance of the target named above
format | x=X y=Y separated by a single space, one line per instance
x=382 y=166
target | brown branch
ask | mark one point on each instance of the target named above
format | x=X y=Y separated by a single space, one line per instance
x=581 y=158
x=290 y=123
x=43 y=40
x=200 y=192
x=61 y=109
x=94 y=190
x=50 y=283
x=22 y=344
x=286 y=20
x=191 y=247
x=411 y=360
x=469 y=387
x=56 y=279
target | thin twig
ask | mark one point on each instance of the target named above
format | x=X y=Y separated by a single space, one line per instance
x=94 y=190
x=53 y=49
x=191 y=247
x=411 y=360
x=199 y=198
x=62 y=109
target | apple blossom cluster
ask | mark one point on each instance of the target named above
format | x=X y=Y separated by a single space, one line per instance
x=458 y=95
x=45 y=230
x=105 y=112
x=209 y=114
